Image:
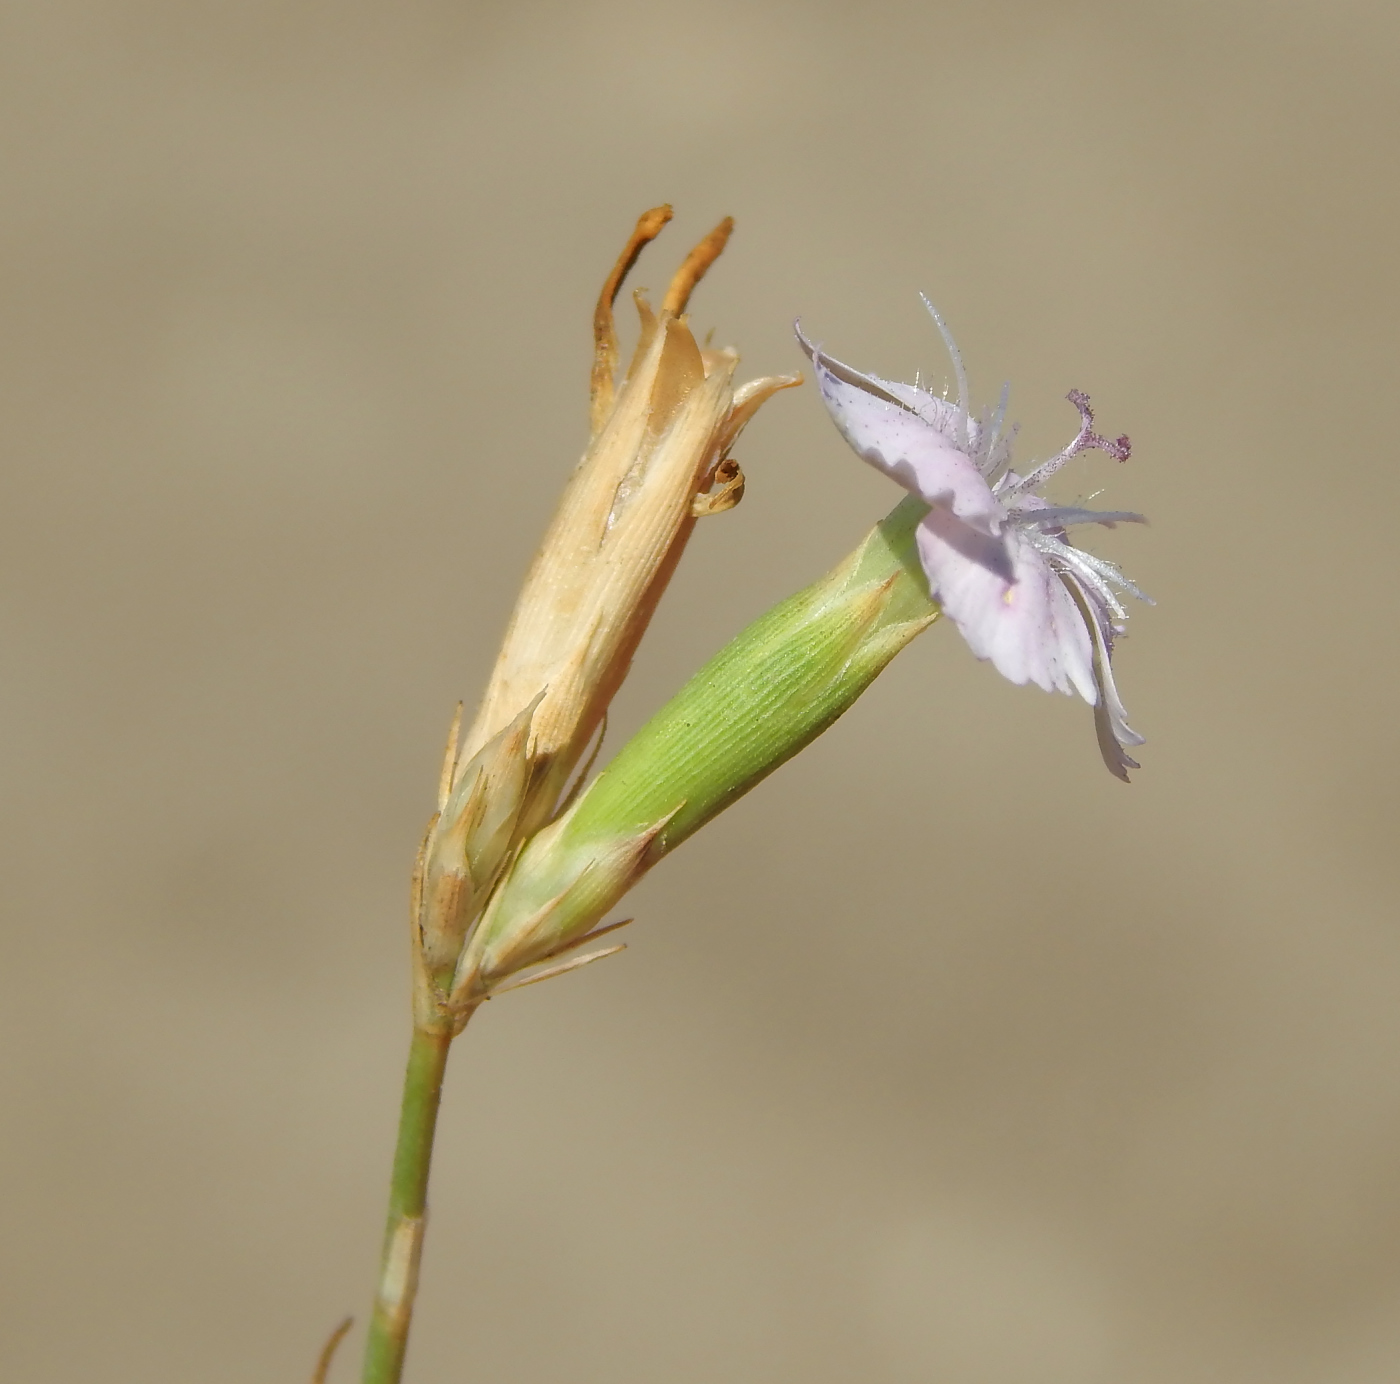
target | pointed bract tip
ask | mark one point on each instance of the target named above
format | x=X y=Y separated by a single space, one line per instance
x=323 y=1363
x=449 y=759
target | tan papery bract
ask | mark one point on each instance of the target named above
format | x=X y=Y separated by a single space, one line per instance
x=470 y=838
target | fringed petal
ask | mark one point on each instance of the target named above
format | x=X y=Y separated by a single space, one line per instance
x=1110 y=716
x=1063 y=516
x=1026 y=623
x=900 y=430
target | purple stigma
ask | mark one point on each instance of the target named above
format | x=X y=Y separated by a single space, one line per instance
x=1088 y=440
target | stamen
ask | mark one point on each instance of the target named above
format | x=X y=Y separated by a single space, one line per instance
x=959 y=373
x=998 y=420
x=449 y=759
x=979 y=453
x=1085 y=440
x=1120 y=449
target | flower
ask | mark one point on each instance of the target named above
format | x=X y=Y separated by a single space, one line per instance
x=996 y=554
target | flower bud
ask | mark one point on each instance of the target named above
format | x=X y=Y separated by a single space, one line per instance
x=766 y=696
x=660 y=440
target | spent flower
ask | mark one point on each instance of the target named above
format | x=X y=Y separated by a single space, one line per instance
x=996 y=554
x=657 y=460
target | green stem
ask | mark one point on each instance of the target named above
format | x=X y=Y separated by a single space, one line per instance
x=408 y=1202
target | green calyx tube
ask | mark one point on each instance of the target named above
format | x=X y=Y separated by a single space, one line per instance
x=760 y=700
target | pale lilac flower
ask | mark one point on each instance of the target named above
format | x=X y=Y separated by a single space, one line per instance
x=997 y=556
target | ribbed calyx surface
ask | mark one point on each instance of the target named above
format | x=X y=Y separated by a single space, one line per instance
x=763 y=698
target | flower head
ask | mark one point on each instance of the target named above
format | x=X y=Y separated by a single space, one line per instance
x=996 y=554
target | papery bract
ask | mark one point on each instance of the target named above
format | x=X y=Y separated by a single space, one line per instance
x=996 y=554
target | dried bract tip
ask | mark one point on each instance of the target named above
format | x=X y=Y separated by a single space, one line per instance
x=323 y=1362
x=328 y=1351
x=549 y=972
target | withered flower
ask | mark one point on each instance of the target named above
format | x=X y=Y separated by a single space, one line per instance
x=657 y=459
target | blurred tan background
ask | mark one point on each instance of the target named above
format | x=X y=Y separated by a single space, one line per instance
x=943 y=1057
